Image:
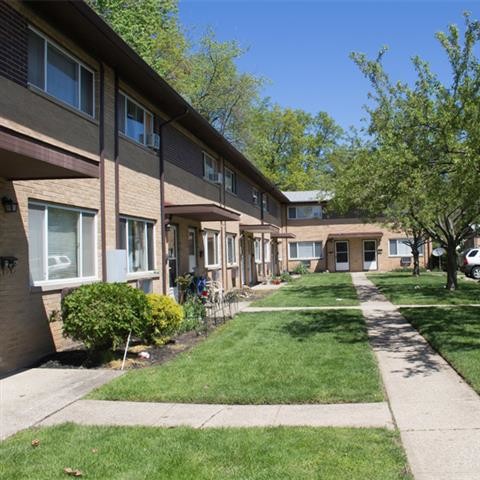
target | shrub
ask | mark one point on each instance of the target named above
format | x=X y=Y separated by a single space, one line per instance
x=194 y=313
x=301 y=269
x=165 y=320
x=285 y=277
x=101 y=315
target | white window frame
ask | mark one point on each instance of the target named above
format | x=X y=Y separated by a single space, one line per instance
x=233 y=239
x=66 y=281
x=46 y=42
x=312 y=242
x=257 y=250
x=230 y=173
x=146 y=112
x=215 y=167
x=312 y=216
x=128 y=218
x=400 y=255
x=216 y=236
x=255 y=197
x=267 y=251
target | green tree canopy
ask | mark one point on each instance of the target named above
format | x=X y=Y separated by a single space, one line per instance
x=423 y=162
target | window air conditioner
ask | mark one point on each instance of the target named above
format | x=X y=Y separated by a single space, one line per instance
x=153 y=141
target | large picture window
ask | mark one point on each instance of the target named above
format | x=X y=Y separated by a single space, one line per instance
x=135 y=122
x=137 y=238
x=305 y=250
x=59 y=74
x=399 y=248
x=305 y=212
x=62 y=243
x=211 y=247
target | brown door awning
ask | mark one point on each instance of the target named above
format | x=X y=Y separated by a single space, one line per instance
x=203 y=212
x=259 y=228
x=25 y=158
x=283 y=235
x=346 y=236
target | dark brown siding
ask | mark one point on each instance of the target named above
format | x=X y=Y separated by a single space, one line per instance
x=182 y=152
x=272 y=207
x=244 y=189
x=13 y=45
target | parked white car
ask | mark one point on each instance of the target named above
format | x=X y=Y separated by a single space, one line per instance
x=471 y=263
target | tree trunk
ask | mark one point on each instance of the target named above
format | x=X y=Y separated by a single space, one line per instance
x=452 y=266
x=416 y=262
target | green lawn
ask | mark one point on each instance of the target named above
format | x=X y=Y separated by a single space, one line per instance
x=265 y=358
x=137 y=453
x=455 y=333
x=316 y=289
x=427 y=289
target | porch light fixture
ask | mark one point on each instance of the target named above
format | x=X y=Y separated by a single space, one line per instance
x=9 y=205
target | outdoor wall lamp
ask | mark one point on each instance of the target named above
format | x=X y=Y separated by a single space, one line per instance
x=9 y=205
x=8 y=263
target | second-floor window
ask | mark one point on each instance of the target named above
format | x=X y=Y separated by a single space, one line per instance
x=230 y=181
x=210 y=168
x=135 y=122
x=305 y=212
x=59 y=74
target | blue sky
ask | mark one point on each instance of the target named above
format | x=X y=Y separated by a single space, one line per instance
x=302 y=47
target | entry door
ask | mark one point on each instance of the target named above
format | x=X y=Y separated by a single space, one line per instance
x=369 y=254
x=192 y=250
x=172 y=238
x=342 y=261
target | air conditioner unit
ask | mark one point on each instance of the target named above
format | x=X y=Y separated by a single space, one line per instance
x=153 y=141
x=254 y=198
x=215 y=177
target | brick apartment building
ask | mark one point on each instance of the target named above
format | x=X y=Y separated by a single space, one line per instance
x=105 y=170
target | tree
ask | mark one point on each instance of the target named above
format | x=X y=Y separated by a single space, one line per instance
x=425 y=151
x=292 y=147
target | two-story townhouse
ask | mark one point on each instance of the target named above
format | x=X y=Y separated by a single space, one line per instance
x=103 y=165
x=341 y=243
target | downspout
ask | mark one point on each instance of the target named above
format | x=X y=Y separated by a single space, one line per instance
x=161 y=159
x=223 y=228
x=262 y=215
x=116 y=155
x=102 y=173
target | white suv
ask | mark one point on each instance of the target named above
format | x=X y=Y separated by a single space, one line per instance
x=471 y=263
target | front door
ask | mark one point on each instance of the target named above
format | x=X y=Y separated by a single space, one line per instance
x=172 y=239
x=192 y=250
x=342 y=261
x=369 y=254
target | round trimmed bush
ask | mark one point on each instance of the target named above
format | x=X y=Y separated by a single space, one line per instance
x=165 y=319
x=101 y=315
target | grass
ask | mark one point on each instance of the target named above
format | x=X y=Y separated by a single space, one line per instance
x=427 y=289
x=312 y=290
x=455 y=334
x=136 y=453
x=265 y=358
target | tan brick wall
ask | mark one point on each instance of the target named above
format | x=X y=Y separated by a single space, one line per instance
x=321 y=230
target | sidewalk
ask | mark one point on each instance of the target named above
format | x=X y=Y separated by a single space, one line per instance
x=437 y=413
x=28 y=397
x=101 y=412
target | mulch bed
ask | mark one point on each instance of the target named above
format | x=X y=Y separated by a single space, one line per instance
x=79 y=357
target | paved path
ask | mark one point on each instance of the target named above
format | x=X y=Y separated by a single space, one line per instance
x=437 y=413
x=101 y=412
x=28 y=397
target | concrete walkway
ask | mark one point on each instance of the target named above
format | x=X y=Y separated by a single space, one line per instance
x=437 y=413
x=28 y=397
x=101 y=412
